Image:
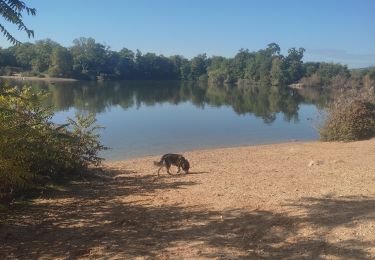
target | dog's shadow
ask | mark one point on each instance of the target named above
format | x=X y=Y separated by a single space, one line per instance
x=196 y=173
x=179 y=175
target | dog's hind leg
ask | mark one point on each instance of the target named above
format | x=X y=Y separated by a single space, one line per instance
x=180 y=160
x=159 y=170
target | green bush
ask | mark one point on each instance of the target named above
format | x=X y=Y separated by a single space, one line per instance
x=349 y=120
x=6 y=71
x=33 y=149
x=32 y=74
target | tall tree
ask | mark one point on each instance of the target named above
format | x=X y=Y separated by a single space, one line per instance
x=239 y=63
x=88 y=56
x=11 y=11
x=273 y=49
x=61 y=63
x=295 y=64
x=198 y=66
x=24 y=54
x=178 y=61
x=125 y=67
x=43 y=50
x=277 y=73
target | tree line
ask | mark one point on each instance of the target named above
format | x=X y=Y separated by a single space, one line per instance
x=90 y=60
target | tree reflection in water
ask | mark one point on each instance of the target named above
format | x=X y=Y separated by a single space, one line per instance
x=260 y=100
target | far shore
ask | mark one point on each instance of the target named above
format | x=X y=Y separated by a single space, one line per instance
x=48 y=79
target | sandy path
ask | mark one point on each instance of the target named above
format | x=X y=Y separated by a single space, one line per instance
x=294 y=200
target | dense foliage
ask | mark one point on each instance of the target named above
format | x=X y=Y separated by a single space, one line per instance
x=11 y=11
x=33 y=149
x=87 y=59
x=349 y=120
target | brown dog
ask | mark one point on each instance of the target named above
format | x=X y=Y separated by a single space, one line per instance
x=173 y=159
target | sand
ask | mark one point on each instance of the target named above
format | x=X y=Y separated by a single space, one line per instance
x=295 y=200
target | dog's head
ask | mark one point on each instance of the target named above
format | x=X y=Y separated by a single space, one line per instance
x=185 y=165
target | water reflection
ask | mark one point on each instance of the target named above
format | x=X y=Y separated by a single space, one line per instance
x=155 y=117
x=262 y=101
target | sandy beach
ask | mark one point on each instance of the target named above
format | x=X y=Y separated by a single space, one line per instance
x=299 y=200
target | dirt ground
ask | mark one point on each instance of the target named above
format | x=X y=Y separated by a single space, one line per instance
x=284 y=201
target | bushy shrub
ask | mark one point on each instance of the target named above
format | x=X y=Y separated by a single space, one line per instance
x=349 y=120
x=6 y=71
x=312 y=81
x=325 y=75
x=33 y=148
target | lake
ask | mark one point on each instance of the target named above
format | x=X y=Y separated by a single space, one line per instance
x=155 y=117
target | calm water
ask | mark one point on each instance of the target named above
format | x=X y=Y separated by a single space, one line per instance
x=148 y=118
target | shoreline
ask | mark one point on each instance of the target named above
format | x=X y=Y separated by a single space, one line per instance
x=311 y=169
x=208 y=149
x=47 y=79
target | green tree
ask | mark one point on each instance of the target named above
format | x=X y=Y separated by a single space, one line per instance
x=310 y=68
x=61 y=63
x=88 y=56
x=152 y=66
x=327 y=71
x=258 y=68
x=277 y=73
x=198 y=66
x=125 y=67
x=239 y=62
x=11 y=11
x=185 y=71
x=24 y=54
x=43 y=49
x=220 y=71
x=273 y=49
x=178 y=61
x=295 y=64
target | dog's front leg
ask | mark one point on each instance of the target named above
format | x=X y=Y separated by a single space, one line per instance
x=168 y=167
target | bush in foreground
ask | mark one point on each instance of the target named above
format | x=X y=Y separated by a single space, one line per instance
x=33 y=149
x=349 y=119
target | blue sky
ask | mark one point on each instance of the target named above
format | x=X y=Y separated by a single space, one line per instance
x=330 y=30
